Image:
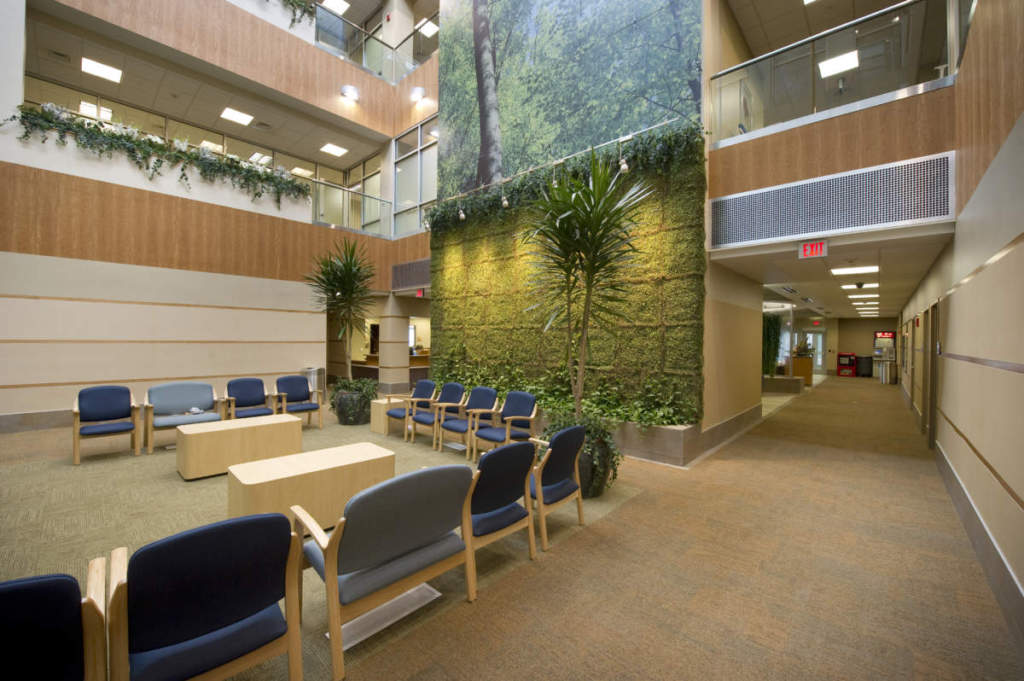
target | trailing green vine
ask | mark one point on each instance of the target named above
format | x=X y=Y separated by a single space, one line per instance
x=300 y=9
x=151 y=154
x=659 y=151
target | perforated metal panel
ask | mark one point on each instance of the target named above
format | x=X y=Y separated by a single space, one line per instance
x=907 y=191
x=413 y=274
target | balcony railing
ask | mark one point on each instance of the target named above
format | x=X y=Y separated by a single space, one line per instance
x=338 y=207
x=909 y=48
x=341 y=37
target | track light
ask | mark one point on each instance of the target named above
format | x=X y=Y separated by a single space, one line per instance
x=504 y=201
x=462 y=214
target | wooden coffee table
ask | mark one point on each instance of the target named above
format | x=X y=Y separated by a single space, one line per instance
x=321 y=481
x=206 y=449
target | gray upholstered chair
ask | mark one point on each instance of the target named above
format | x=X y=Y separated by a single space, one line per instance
x=170 y=405
x=393 y=536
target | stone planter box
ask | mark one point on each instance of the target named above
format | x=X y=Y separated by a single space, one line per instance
x=676 y=445
x=782 y=384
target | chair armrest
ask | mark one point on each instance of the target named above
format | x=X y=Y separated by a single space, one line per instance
x=481 y=411
x=95 y=585
x=117 y=615
x=538 y=441
x=94 y=634
x=305 y=523
x=439 y=406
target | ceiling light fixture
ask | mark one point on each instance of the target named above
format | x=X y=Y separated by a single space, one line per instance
x=427 y=27
x=863 y=295
x=91 y=110
x=333 y=149
x=849 y=286
x=841 y=64
x=337 y=6
x=868 y=269
x=807 y=2
x=350 y=92
x=260 y=158
x=302 y=172
x=236 y=116
x=866 y=303
x=95 y=68
x=212 y=146
x=417 y=94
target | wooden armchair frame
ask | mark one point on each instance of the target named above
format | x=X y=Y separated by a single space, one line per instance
x=474 y=440
x=316 y=395
x=290 y=642
x=544 y=509
x=338 y=613
x=524 y=524
x=219 y=405
x=77 y=437
x=94 y=631
x=408 y=399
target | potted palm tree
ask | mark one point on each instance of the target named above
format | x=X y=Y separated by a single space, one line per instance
x=582 y=241
x=341 y=288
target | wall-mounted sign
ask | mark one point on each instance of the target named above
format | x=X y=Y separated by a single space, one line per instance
x=813 y=249
x=419 y=293
x=816 y=323
x=885 y=334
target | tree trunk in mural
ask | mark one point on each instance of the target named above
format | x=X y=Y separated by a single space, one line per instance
x=489 y=162
x=695 y=64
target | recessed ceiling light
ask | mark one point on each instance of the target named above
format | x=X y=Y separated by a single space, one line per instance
x=212 y=146
x=863 y=295
x=807 y=2
x=336 y=6
x=260 y=158
x=417 y=94
x=90 y=109
x=427 y=27
x=333 y=149
x=95 y=68
x=841 y=64
x=236 y=116
x=304 y=172
x=350 y=92
x=861 y=286
x=868 y=269
x=866 y=304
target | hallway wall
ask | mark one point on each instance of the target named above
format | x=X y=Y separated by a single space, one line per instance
x=858 y=335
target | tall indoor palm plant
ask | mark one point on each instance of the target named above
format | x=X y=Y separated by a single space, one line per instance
x=582 y=238
x=341 y=288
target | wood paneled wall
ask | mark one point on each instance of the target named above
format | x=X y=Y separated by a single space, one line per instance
x=989 y=89
x=907 y=128
x=409 y=113
x=221 y=34
x=48 y=213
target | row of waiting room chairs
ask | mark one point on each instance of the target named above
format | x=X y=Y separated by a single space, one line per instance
x=105 y=410
x=473 y=417
x=203 y=604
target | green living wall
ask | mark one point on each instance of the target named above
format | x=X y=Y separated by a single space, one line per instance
x=648 y=366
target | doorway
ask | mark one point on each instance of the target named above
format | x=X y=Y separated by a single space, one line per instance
x=816 y=342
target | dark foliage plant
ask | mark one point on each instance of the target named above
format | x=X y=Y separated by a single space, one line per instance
x=350 y=399
x=600 y=459
x=151 y=154
x=771 y=332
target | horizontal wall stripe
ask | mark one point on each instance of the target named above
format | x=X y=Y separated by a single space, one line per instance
x=999 y=478
x=991 y=363
x=996 y=257
x=155 y=342
x=158 y=303
x=164 y=379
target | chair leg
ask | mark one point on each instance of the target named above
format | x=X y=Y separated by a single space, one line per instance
x=579 y=506
x=76 y=451
x=149 y=436
x=320 y=416
x=529 y=534
x=543 y=527
x=337 y=654
x=470 y=572
x=135 y=442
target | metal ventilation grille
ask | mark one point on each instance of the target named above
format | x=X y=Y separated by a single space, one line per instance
x=880 y=196
x=413 y=274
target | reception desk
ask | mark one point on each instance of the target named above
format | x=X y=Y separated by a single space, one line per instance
x=419 y=367
x=804 y=368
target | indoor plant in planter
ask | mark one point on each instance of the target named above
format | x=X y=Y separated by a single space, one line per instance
x=341 y=288
x=351 y=398
x=599 y=462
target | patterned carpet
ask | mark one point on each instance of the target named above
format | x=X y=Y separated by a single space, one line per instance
x=821 y=545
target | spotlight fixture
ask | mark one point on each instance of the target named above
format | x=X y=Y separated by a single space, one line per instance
x=417 y=93
x=100 y=70
x=867 y=269
x=236 y=116
x=504 y=201
x=333 y=149
x=350 y=92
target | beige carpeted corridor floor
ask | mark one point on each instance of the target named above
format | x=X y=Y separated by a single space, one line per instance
x=821 y=545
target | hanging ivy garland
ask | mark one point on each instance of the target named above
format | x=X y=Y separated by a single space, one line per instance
x=659 y=151
x=150 y=153
x=300 y=9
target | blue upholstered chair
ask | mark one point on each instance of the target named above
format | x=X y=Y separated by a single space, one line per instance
x=482 y=402
x=297 y=396
x=559 y=476
x=49 y=631
x=422 y=395
x=449 y=400
x=247 y=397
x=170 y=405
x=205 y=602
x=501 y=480
x=392 y=537
x=513 y=422
x=111 y=404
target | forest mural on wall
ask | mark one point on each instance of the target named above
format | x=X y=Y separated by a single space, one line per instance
x=525 y=82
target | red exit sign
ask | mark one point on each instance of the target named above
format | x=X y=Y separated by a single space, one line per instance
x=885 y=334
x=813 y=249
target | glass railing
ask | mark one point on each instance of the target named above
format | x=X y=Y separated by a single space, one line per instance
x=337 y=207
x=342 y=38
x=883 y=53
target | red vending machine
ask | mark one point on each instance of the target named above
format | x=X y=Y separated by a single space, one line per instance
x=846 y=364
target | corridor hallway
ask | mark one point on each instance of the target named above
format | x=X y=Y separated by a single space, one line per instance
x=820 y=545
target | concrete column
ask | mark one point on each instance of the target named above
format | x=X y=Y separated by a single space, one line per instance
x=394 y=347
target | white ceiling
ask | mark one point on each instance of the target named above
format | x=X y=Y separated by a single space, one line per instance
x=903 y=257
x=770 y=24
x=54 y=51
